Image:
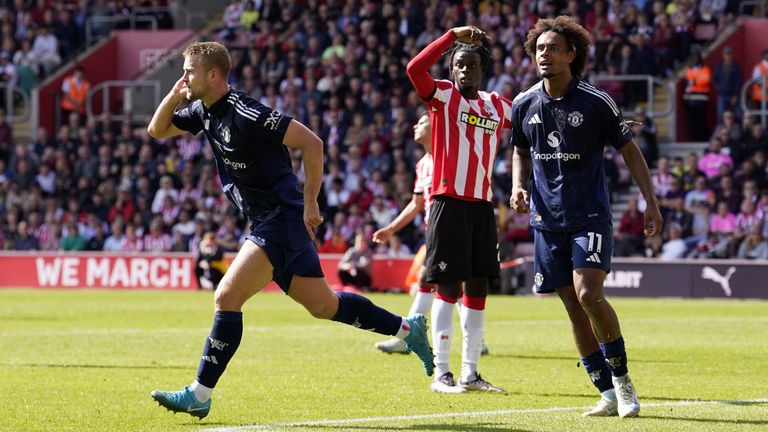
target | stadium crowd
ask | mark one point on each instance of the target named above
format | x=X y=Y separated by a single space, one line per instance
x=339 y=67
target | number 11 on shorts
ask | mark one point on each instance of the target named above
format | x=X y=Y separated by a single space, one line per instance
x=592 y=237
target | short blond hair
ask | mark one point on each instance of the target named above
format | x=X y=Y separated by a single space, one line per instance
x=213 y=55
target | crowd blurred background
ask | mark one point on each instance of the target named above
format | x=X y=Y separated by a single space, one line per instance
x=339 y=67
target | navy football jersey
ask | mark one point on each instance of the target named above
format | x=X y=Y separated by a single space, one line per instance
x=247 y=141
x=566 y=137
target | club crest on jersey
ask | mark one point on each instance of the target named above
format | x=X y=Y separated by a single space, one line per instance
x=575 y=118
x=486 y=123
x=225 y=135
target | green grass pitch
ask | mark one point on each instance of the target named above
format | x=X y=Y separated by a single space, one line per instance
x=87 y=360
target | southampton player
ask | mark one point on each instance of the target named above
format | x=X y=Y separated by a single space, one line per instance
x=467 y=124
x=421 y=199
x=249 y=143
x=560 y=127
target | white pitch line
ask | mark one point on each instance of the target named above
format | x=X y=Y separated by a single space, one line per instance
x=340 y=422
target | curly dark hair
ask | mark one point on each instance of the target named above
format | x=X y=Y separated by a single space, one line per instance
x=577 y=36
x=485 y=55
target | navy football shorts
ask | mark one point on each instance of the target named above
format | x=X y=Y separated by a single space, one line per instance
x=558 y=253
x=290 y=250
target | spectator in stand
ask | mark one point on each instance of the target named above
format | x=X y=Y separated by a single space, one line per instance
x=395 y=248
x=727 y=83
x=133 y=240
x=630 y=238
x=755 y=140
x=753 y=246
x=748 y=222
x=663 y=177
x=646 y=135
x=687 y=171
x=760 y=88
x=696 y=96
x=24 y=57
x=116 y=241
x=156 y=240
x=67 y=33
x=166 y=190
x=336 y=244
x=698 y=201
x=730 y=132
x=97 y=240
x=8 y=75
x=675 y=247
x=46 y=49
x=356 y=264
x=722 y=225
x=727 y=194
x=712 y=161
x=228 y=235
x=23 y=240
x=72 y=240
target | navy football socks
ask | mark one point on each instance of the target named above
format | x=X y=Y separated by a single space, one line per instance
x=360 y=312
x=598 y=371
x=220 y=346
x=615 y=356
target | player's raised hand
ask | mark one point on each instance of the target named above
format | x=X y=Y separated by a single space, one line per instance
x=180 y=88
x=471 y=35
x=652 y=220
x=382 y=236
x=520 y=201
x=312 y=217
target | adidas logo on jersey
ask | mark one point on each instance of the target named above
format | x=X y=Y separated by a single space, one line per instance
x=535 y=119
x=595 y=258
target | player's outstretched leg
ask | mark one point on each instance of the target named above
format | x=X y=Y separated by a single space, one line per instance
x=422 y=302
x=183 y=401
x=359 y=312
x=418 y=342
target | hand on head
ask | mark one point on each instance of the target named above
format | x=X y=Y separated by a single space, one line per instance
x=471 y=35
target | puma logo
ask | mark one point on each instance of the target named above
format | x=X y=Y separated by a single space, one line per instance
x=708 y=273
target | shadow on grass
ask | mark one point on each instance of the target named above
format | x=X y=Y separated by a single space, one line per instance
x=575 y=360
x=465 y=427
x=31 y=318
x=91 y=366
x=707 y=420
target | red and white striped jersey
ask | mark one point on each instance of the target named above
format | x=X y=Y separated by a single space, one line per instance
x=465 y=139
x=159 y=243
x=423 y=183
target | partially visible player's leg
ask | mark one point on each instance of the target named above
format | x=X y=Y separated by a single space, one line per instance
x=442 y=334
x=317 y=297
x=484 y=261
x=591 y=356
x=250 y=271
x=472 y=318
x=553 y=266
x=422 y=301
x=592 y=249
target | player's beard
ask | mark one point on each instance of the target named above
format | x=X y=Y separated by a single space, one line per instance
x=548 y=74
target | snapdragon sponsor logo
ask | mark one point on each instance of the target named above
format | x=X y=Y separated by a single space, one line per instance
x=554 y=139
x=234 y=164
x=565 y=157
